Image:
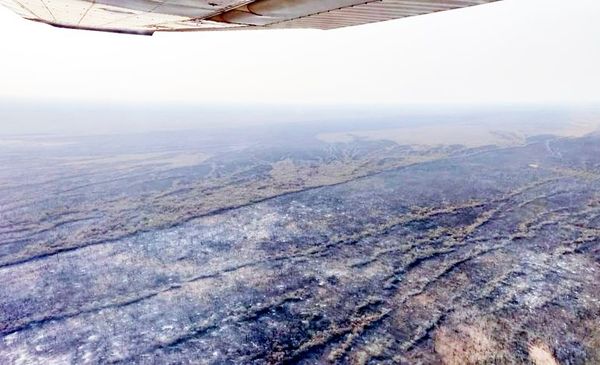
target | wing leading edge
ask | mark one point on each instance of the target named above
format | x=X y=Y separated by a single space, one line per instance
x=149 y=16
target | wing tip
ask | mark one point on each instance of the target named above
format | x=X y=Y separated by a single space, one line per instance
x=144 y=32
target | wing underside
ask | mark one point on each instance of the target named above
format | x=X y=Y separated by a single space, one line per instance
x=149 y=16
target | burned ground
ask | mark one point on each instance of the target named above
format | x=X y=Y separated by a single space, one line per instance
x=358 y=252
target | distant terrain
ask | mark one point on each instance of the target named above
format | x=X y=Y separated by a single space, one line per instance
x=473 y=239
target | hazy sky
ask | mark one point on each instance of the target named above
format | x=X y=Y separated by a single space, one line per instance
x=512 y=51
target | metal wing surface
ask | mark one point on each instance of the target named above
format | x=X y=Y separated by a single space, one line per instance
x=149 y=16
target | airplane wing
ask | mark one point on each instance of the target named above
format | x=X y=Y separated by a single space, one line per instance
x=149 y=16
